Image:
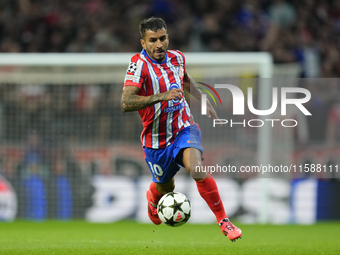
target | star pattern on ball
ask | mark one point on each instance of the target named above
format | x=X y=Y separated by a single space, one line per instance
x=187 y=216
x=171 y=194
x=187 y=200
x=176 y=206
x=161 y=206
x=171 y=222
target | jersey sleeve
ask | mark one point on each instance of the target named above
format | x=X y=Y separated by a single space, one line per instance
x=183 y=60
x=134 y=75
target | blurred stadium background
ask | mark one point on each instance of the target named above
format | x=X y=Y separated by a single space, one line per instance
x=68 y=152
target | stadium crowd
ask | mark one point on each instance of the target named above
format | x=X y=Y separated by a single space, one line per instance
x=305 y=31
x=81 y=114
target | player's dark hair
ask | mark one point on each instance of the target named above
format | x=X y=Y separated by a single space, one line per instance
x=153 y=24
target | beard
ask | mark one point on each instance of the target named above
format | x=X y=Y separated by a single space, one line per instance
x=158 y=55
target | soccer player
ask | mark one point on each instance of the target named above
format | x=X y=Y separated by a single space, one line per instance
x=153 y=86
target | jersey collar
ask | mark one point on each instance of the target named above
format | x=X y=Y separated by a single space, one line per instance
x=154 y=61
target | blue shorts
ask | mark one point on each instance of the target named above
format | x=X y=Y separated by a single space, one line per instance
x=163 y=163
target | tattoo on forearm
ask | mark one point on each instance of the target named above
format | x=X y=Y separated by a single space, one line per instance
x=130 y=101
x=135 y=103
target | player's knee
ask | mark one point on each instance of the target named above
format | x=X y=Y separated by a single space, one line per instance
x=199 y=179
x=196 y=174
x=163 y=189
x=199 y=176
x=170 y=188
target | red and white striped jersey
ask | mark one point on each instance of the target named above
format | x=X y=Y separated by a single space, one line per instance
x=161 y=121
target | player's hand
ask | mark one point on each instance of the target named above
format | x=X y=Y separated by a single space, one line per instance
x=211 y=111
x=173 y=94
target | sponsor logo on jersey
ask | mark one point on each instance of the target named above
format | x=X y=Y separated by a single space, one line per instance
x=174 y=108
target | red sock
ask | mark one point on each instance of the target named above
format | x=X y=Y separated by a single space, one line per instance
x=156 y=195
x=209 y=192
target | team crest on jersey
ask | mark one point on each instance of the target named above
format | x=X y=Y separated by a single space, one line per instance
x=132 y=67
x=177 y=104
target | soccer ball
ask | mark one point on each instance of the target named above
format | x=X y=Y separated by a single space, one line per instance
x=174 y=209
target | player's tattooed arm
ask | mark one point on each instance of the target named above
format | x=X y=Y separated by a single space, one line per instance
x=130 y=101
x=190 y=86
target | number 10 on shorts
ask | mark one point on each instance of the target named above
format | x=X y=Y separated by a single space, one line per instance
x=155 y=169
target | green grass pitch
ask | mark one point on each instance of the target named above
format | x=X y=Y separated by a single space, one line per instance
x=128 y=237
